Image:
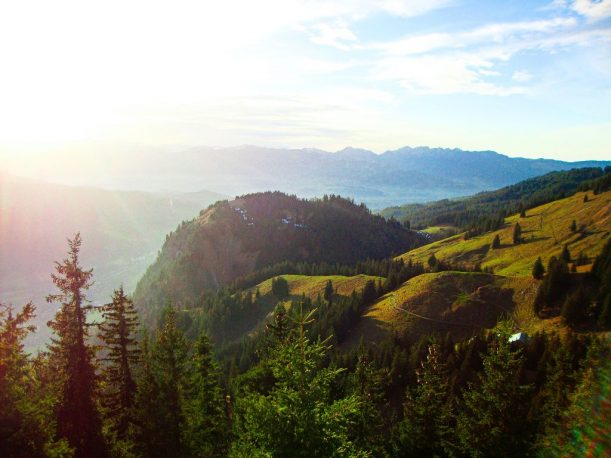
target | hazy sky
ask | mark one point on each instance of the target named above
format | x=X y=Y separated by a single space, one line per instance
x=528 y=78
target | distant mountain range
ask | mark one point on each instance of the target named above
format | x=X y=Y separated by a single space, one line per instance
x=379 y=180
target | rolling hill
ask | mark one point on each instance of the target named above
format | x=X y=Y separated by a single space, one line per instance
x=232 y=239
x=546 y=229
x=460 y=303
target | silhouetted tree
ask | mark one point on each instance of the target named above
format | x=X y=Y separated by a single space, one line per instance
x=538 y=270
x=78 y=419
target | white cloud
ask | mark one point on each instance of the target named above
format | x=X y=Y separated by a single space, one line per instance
x=485 y=35
x=593 y=10
x=522 y=76
x=336 y=34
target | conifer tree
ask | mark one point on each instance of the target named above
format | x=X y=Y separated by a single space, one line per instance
x=575 y=307
x=118 y=334
x=574 y=226
x=147 y=404
x=170 y=369
x=496 y=242
x=517 y=233
x=492 y=417
x=78 y=419
x=299 y=417
x=566 y=254
x=538 y=269
x=425 y=428
x=328 y=294
x=26 y=428
x=206 y=431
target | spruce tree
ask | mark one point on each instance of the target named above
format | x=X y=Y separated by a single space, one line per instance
x=566 y=254
x=492 y=417
x=575 y=308
x=574 y=226
x=299 y=416
x=170 y=369
x=121 y=354
x=207 y=425
x=328 y=294
x=425 y=428
x=496 y=242
x=78 y=419
x=147 y=404
x=517 y=233
x=538 y=269
x=26 y=428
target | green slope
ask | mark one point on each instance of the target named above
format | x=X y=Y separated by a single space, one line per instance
x=545 y=231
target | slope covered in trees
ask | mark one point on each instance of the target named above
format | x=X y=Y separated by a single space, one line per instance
x=305 y=383
x=233 y=239
x=482 y=211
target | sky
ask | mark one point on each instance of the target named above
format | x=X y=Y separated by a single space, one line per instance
x=528 y=78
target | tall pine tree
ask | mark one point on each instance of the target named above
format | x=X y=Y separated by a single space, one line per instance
x=207 y=425
x=121 y=354
x=78 y=419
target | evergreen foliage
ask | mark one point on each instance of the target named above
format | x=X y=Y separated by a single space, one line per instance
x=517 y=233
x=496 y=242
x=299 y=416
x=491 y=418
x=121 y=354
x=538 y=270
x=78 y=419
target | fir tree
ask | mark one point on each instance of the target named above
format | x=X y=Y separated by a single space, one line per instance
x=78 y=419
x=425 y=428
x=206 y=431
x=538 y=270
x=328 y=294
x=496 y=242
x=574 y=226
x=492 y=417
x=566 y=254
x=585 y=198
x=121 y=353
x=299 y=417
x=26 y=426
x=517 y=233
x=575 y=307
x=170 y=369
x=147 y=404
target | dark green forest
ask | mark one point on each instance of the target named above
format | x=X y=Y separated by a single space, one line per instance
x=107 y=387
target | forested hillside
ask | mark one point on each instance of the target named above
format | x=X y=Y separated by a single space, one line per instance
x=233 y=239
x=263 y=329
x=482 y=211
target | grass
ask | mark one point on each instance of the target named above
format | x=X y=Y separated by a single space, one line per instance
x=312 y=286
x=456 y=302
x=545 y=230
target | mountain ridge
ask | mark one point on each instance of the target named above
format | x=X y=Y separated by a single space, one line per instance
x=407 y=174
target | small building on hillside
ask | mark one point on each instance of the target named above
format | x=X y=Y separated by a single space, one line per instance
x=520 y=337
